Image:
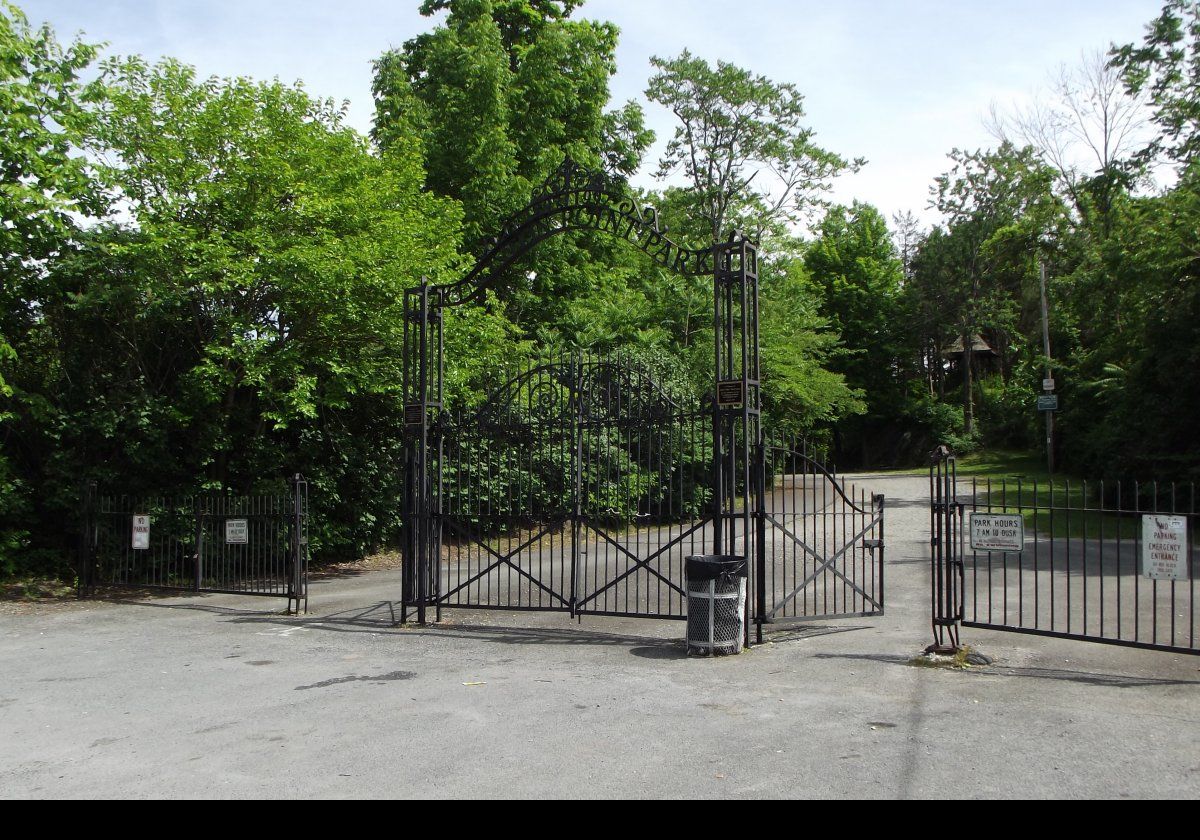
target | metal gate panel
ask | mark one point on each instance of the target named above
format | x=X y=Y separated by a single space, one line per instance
x=579 y=486
x=644 y=505
x=506 y=502
x=1079 y=570
x=819 y=542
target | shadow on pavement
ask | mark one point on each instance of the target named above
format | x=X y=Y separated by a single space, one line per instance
x=1061 y=674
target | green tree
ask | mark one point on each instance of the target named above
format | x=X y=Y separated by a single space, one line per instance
x=238 y=317
x=1167 y=66
x=500 y=93
x=741 y=144
x=42 y=182
x=854 y=265
x=978 y=275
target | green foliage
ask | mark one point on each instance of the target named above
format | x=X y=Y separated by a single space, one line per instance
x=236 y=318
x=41 y=183
x=748 y=159
x=1167 y=65
x=800 y=390
x=499 y=93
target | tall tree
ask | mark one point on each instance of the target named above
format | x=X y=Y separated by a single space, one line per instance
x=748 y=159
x=998 y=208
x=42 y=182
x=237 y=318
x=500 y=92
x=1089 y=128
x=855 y=266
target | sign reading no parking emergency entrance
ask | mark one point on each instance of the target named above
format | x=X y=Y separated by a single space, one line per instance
x=1164 y=547
x=997 y=532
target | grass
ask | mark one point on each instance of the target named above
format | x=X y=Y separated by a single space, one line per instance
x=1057 y=506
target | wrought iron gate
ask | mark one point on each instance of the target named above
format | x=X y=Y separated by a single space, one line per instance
x=820 y=544
x=1073 y=561
x=581 y=486
x=241 y=545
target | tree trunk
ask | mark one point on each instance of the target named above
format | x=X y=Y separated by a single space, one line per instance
x=968 y=363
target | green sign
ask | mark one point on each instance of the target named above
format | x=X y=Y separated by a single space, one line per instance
x=1048 y=402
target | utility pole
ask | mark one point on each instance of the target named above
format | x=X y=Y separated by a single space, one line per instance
x=1048 y=381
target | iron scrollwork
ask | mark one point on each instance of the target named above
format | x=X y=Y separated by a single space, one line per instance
x=576 y=198
x=580 y=391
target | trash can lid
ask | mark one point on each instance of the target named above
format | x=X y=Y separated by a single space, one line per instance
x=715 y=566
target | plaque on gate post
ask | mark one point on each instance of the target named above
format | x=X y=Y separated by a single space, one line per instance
x=731 y=393
x=414 y=414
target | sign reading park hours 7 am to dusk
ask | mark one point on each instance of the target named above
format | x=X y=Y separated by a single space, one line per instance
x=1164 y=547
x=997 y=532
x=237 y=531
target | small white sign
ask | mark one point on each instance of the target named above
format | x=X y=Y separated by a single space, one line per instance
x=997 y=532
x=237 y=532
x=1164 y=547
x=141 y=532
x=1047 y=384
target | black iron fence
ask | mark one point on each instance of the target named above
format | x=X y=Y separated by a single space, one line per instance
x=1106 y=561
x=244 y=545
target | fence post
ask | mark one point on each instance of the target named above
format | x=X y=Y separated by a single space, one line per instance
x=87 y=539
x=760 y=519
x=298 y=584
x=198 y=513
x=945 y=564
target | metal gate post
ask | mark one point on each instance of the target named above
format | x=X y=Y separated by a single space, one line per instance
x=87 y=540
x=576 y=478
x=760 y=516
x=298 y=584
x=946 y=568
x=736 y=395
x=198 y=514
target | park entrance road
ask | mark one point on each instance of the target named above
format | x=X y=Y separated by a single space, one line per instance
x=214 y=697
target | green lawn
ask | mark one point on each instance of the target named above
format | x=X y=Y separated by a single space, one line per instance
x=1060 y=506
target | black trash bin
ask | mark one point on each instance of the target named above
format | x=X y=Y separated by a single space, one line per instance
x=716 y=592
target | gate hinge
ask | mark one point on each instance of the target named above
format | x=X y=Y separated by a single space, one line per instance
x=872 y=544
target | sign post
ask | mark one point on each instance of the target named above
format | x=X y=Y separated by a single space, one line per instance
x=1048 y=381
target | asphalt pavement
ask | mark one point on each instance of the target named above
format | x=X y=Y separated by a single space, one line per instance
x=224 y=697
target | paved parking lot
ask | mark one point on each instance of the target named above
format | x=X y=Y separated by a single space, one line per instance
x=219 y=696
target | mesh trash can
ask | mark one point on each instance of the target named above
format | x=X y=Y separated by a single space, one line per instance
x=716 y=593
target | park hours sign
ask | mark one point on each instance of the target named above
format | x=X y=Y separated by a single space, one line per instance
x=997 y=532
x=1164 y=547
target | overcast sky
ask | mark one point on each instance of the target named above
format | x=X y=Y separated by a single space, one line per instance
x=900 y=84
